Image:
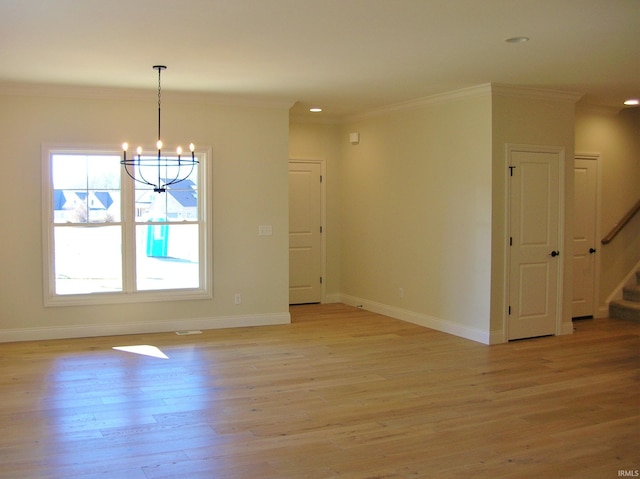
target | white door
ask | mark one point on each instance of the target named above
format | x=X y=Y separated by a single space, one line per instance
x=584 y=236
x=305 y=223
x=534 y=254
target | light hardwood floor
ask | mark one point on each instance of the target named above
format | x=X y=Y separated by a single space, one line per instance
x=339 y=393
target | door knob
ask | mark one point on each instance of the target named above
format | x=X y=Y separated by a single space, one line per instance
x=555 y=253
x=592 y=250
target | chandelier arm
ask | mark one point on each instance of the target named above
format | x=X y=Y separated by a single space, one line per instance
x=126 y=169
x=137 y=163
x=178 y=178
x=142 y=179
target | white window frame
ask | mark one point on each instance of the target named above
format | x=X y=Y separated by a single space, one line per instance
x=128 y=294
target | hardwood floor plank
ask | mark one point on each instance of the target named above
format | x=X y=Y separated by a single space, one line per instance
x=340 y=393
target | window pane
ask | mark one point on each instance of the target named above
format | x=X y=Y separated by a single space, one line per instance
x=167 y=256
x=178 y=203
x=145 y=199
x=87 y=260
x=88 y=206
x=69 y=172
x=70 y=206
x=87 y=235
x=148 y=171
x=103 y=172
x=86 y=188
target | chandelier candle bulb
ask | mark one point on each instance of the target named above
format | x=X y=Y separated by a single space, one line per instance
x=179 y=150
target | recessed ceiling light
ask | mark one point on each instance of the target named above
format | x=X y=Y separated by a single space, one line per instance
x=315 y=110
x=632 y=102
x=517 y=40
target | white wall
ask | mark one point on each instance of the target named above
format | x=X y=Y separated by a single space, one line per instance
x=250 y=187
x=416 y=213
x=423 y=203
x=615 y=136
x=416 y=205
x=321 y=142
x=540 y=118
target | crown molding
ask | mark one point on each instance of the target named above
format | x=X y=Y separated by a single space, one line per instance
x=303 y=118
x=586 y=108
x=455 y=95
x=131 y=94
x=492 y=89
x=501 y=89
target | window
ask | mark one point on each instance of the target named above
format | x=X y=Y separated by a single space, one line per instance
x=110 y=239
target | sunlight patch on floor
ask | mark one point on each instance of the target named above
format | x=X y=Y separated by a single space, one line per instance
x=143 y=349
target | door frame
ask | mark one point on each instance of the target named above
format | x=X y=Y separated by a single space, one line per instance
x=599 y=310
x=561 y=152
x=323 y=219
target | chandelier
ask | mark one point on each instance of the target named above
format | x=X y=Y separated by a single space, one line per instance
x=158 y=171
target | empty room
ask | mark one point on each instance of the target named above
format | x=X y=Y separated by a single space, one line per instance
x=320 y=239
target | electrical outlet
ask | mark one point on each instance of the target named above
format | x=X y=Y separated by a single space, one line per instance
x=237 y=299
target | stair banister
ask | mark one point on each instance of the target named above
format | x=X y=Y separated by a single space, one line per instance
x=625 y=219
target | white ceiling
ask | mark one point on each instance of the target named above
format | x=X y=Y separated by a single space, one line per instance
x=347 y=56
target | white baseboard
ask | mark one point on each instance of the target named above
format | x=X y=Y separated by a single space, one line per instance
x=566 y=328
x=332 y=298
x=111 y=329
x=497 y=337
x=602 y=312
x=443 y=325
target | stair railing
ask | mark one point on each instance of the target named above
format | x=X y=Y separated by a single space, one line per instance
x=625 y=219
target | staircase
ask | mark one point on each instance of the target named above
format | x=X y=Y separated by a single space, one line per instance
x=629 y=306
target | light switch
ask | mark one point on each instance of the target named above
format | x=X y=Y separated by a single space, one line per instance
x=265 y=230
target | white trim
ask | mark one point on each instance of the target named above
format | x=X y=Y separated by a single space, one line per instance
x=111 y=329
x=431 y=322
x=497 y=337
x=598 y=310
x=333 y=298
x=135 y=94
x=469 y=92
x=323 y=221
x=584 y=107
x=561 y=326
x=500 y=89
x=506 y=260
x=455 y=95
x=562 y=240
x=128 y=294
x=601 y=312
x=566 y=328
x=313 y=119
x=617 y=292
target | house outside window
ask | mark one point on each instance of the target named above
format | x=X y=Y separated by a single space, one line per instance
x=110 y=239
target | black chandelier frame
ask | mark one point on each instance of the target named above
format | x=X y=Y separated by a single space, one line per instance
x=168 y=170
